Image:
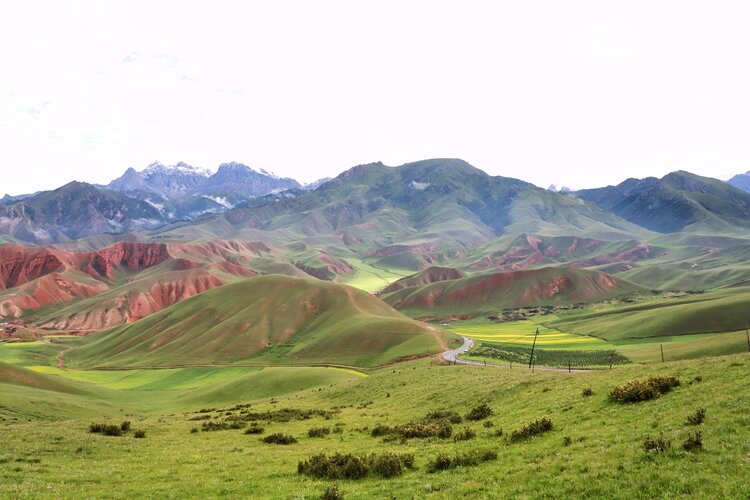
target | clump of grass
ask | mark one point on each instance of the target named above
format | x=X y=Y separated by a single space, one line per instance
x=125 y=426
x=479 y=412
x=139 y=434
x=350 y=466
x=105 y=429
x=221 y=426
x=532 y=429
x=193 y=430
x=332 y=493
x=464 y=435
x=284 y=415
x=318 y=432
x=254 y=429
x=199 y=417
x=697 y=417
x=656 y=445
x=567 y=441
x=279 y=438
x=693 y=442
x=643 y=389
x=586 y=390
x=449 y=415
x=439 y=428
x=488 y=423
x=469 y=459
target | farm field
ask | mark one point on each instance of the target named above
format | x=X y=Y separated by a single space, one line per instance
x=595 y=447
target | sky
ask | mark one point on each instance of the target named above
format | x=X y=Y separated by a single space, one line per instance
x=581 y=94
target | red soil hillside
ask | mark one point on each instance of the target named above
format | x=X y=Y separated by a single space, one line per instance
x=490 y=293
x=136 y=278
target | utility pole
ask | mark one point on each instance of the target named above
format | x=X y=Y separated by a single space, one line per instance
x=533 y=345
x=661 y=346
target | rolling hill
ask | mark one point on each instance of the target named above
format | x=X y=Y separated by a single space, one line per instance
x=491 y=293
x=268 y=320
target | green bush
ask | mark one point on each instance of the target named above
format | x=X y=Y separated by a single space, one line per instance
x=106 y=429
x=139 y=434
x=449 y=415
x=469 y=459
x=586 y=390
x=318 y=432
x=532 y=429
x=279 y=438
x=479 y=412
x=693 y=442
x=656 y=445
x=125 y=426
x=698 y=417
x=350 y=466
x=464 y=435
x=254 y=430
x=332 y=493
x=643 y=389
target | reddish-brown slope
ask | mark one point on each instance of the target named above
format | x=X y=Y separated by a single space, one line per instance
x=491 y=293
x=425 y=277
x=19 y=264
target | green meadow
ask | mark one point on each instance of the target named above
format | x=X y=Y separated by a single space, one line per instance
x=594 y=449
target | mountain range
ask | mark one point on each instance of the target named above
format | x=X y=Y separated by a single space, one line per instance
x=439 y=220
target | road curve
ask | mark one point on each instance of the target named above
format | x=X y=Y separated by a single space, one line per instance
x=452 y=356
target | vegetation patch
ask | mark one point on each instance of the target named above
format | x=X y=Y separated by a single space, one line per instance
x=479 y=412
x=586 y=390
x=656 y=445
x=643 y=389
x=532 y=429
x=318 y=432
x=465 y=434
x=284 y=415
x=449 y=415
x=469 y=459
x=551 y=357
x=350 y=466
x=697 y=417
x=279 y=438
x=108 y=429
x=221 y=426
x=693 y=442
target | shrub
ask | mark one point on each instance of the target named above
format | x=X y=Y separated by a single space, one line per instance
x=469 y=459
x=221 y=426
x=388 y=465
x=466 y=434
x=381 y=430
x=643 y=389
x=332 y=493
x=693 y=442
x=479 y=412
x=488 y=423
x=279 y=438
x=349 y=466
x=656 y=445
x=449 y=415
x=439 y=428
x=284 y=415
x=567 y=441
x=139 y=434
x=254 y=430
x=125 y=426
x=698 y=417
x=532 y=429
x=193 y=430
x=106 y=429
x=318 y=432
x=586 y=390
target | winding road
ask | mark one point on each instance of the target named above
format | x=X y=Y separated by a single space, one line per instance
x=452 y=356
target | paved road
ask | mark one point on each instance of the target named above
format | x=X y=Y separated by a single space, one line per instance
x=452 y=356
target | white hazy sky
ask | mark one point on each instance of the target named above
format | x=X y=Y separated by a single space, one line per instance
x=575 y=93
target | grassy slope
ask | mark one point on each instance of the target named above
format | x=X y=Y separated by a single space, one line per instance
x=269 y=319
x=605 y=457
x=718 y=311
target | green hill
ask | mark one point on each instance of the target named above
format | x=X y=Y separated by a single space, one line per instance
x=676 y=202
x=491 y=293
x=271 y=319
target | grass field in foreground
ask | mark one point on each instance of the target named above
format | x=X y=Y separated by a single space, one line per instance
x=603 y=455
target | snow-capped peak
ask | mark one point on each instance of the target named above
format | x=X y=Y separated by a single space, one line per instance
x=179 y=168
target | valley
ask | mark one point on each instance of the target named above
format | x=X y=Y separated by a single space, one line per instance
x=244 y=339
